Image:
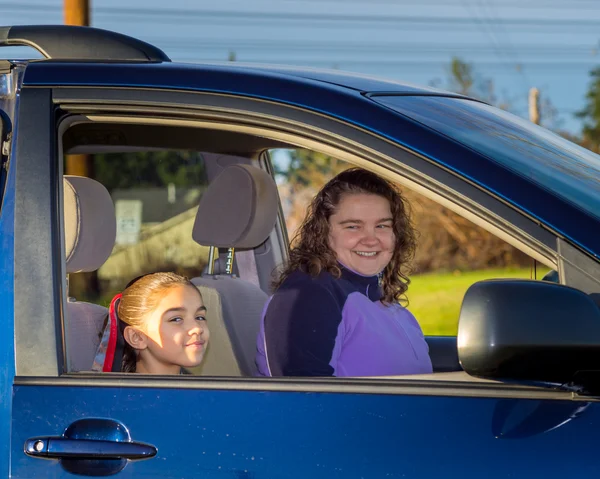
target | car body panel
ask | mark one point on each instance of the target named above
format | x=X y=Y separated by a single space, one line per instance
x=253 y=434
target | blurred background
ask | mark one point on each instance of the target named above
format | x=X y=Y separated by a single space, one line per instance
x=538 y=59
x=505 y=47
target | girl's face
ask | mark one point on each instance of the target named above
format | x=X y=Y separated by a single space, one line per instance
x=361 y=233
x=176 y=331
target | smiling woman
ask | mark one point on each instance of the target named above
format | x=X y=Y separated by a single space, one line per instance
x=336 y=308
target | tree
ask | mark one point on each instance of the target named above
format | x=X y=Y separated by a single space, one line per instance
x=462 y=78
x=590 y=114
x=149 y=169
x=135 y=170
x=304 y=173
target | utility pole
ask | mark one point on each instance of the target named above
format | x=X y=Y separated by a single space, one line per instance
x=77 y=12
x=534 y=105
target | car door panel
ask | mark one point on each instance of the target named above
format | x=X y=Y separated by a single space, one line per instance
x=229 y=433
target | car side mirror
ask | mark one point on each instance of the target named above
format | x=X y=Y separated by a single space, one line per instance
x=528 y=330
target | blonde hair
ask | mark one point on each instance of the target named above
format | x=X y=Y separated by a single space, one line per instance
x=140 y=298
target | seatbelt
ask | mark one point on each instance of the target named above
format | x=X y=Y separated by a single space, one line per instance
x=246 y=264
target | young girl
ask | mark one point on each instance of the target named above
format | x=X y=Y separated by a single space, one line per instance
x=157 y=325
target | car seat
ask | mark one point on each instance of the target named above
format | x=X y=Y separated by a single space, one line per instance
x=90 y=232
x=238 y=210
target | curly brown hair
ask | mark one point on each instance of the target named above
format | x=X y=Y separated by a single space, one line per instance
x=311 y=253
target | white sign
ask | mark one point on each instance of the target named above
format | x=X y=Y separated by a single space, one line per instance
x=129 y=221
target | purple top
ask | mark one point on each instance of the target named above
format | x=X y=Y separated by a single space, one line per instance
x=338 y=327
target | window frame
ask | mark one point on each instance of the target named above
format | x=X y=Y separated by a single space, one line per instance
x=290 y=124
x=8 y=107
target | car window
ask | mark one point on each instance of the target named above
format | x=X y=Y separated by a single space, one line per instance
x=155 y=196
x=155 y=193
x=558 y=165
x=452 y=252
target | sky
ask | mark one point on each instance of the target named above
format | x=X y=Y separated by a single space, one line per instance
x=548 y=44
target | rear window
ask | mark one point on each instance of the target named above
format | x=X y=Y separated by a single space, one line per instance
x=558 y=165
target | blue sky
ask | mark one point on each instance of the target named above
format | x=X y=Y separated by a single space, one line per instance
x=549 y=44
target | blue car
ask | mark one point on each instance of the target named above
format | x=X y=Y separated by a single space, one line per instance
x=514 y=394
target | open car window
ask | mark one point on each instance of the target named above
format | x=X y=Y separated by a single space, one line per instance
x=156 y=191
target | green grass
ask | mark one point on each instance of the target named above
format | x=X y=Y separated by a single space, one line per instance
x=435 y=298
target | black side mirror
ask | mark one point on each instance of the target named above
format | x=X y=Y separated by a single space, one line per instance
x=528 y=330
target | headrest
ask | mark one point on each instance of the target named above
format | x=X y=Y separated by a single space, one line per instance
x=238 y=209
x=90 y=224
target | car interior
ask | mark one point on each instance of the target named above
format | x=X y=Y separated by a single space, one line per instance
x=237 y=212
x=238 y=218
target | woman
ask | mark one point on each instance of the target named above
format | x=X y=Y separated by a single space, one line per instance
x=336 y=308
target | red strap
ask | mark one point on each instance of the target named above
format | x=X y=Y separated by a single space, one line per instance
x=112 y=339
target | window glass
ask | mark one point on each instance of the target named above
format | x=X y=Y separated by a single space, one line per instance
x=156 y=195
x=452 y=252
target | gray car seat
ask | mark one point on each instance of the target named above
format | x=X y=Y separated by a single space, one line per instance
x=90 y=231
x=238 y=210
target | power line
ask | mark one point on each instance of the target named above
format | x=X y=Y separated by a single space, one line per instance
x=195 y=15
x=501 y=66
x=544 y=4
x=399 y=48
x=484 y=28
x=420 y=25
x=512 y=54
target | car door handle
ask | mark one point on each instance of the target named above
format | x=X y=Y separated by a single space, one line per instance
x=65 y=448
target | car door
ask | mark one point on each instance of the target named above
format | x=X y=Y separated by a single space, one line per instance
x=248 y=427
x=210 y=429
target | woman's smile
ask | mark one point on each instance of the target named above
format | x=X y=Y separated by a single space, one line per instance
x=367 y=254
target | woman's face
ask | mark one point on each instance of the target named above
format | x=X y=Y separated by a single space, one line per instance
x=361 y=233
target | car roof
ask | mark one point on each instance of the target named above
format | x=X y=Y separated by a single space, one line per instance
x=56 y=72
x=352 y=80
